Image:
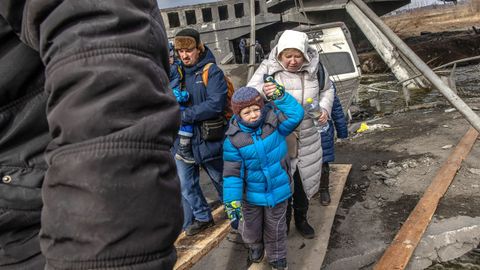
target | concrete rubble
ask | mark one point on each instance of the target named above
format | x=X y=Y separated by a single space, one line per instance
x=445 y=240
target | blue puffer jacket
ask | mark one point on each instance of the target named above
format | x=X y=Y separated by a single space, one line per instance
x=206 y=103
x=259 y=157
x=338 y=120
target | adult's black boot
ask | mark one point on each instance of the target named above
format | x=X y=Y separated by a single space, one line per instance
x=301 y=223
x=324 y=185
x=198 y=227
x=288 y=215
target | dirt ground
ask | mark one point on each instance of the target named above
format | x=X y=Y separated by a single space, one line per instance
x=393 y=166
x=437 y=35
x=438 y=18
x=391 y=169
x=435 y=49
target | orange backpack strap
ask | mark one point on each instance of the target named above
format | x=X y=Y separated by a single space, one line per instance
x=205 y=73
x=230 y=90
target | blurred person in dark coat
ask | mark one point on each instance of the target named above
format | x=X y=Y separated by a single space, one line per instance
x=86 y=123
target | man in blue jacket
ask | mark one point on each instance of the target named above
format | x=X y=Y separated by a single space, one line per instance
x=207 y=103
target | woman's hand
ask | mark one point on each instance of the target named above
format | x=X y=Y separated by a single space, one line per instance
x=323 y=117
x=268 y=89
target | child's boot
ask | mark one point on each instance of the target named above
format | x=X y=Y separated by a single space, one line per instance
x=184 y=151
x=255 y=253
x=324 y=185
x=279 y=265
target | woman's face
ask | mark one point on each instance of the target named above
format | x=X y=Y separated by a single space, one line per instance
x=250 y=114
x=292 y=59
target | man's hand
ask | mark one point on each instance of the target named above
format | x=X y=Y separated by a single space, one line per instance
x=234 y=212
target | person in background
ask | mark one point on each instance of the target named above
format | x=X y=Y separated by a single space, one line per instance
x=295 y=65
x=87 y=122
x=207 y=103
x=259 y=54
x=243 y=50
x=338 y=123
x=256 y=177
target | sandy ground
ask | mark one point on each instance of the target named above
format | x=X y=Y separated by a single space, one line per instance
x=437 y=35
x=436 y=19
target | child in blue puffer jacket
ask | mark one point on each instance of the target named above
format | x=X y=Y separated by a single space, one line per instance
x=256 y=180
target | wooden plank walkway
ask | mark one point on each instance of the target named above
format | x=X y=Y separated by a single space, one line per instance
x=302 y=253
x=190 y=249
x=309 y=254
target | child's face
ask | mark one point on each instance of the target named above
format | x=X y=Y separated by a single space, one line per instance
x=250 y=114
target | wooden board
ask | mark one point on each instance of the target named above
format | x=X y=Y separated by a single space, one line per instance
x=190 y=249
x=401 y=249
x=308 y=254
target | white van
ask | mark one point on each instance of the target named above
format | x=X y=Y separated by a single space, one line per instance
x=338 y=55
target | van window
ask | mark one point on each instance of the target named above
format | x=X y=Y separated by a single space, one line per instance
x=337 y=63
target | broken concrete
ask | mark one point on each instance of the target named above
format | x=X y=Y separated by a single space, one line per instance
x=360 y=261
x=445 y=240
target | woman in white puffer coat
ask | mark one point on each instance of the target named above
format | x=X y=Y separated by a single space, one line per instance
x=295 y=65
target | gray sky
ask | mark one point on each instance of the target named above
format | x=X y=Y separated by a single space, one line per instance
x=176 y=3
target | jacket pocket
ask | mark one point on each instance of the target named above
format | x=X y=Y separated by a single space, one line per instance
x=20 y=210
x=20 y=188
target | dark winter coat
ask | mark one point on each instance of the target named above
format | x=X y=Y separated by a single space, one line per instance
x=338 y=123
x=77 y=81
x=206 y=103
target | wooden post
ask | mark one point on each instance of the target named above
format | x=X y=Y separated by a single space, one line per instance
x=385 y=49
x=401 y=249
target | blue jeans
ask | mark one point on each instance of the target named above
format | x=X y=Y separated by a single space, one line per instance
x=195 y=205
